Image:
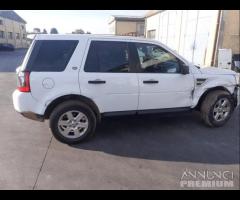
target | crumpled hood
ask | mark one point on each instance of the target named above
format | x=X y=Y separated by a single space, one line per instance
x=217 y=71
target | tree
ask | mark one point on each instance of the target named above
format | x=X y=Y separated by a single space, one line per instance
x=78 y=31
x=54 y=31
x=36 y=30
x=88 y=32
x=44 y=31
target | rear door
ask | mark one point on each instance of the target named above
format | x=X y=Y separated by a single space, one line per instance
x=107 y=76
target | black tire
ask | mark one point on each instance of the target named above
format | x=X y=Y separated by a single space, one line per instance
x=68 y=106
x=208 y=105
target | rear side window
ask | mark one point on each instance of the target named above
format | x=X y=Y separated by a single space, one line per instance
x=108 y=56
x=51 y=55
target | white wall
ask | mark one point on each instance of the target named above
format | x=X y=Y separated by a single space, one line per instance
x=152 y=23
x=190 y=32
x=112 y=27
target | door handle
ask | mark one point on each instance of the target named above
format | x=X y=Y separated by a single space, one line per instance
x=97 y=81
x=150 y=81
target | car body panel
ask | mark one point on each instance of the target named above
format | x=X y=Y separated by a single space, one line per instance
x=172 y=91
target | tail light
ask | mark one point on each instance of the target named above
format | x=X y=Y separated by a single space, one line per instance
x=24 y=82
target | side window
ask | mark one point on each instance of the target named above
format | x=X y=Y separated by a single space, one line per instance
x=51 y=55
x=108 y=56
x=154 y=59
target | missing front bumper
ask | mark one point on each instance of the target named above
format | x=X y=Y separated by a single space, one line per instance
x=236 y=95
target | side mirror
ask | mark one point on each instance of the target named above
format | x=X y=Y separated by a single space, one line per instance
x=184 y=69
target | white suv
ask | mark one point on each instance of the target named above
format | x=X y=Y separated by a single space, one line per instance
x=74 y=80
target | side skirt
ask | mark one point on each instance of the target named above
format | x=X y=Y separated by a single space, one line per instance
x=151 y=111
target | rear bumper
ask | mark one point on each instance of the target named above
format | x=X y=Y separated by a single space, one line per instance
x=33 y=116
x=25 y=104
x=23 y=101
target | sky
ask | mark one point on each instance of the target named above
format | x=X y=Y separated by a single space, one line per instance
x=66 y=21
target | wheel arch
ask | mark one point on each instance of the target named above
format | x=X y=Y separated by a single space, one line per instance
x=89 y=102
x=206 y=92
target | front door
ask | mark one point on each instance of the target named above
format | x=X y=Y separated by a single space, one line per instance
x=107 y=77
x=161 y=83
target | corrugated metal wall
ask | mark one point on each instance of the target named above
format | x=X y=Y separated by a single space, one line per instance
x=189 y=32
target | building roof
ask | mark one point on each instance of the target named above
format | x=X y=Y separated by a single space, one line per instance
x=134 y=18
x=10 y=14
x=126 y=18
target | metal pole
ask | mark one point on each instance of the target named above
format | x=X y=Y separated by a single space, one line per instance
x=167 y=27
x=218 y=36
x=194 y=44
x=180 y=32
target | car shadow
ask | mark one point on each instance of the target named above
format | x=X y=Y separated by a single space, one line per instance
x=179 y=138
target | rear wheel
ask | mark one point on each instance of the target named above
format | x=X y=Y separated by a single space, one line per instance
x=217 y=108
x=72 y=122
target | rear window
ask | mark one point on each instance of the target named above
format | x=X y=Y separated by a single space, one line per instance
x=51 y=55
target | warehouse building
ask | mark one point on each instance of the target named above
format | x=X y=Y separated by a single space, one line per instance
x=204 y=37
x=127 y=25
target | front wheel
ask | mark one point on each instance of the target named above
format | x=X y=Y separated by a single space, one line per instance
x=72 y=122
x=217 y=108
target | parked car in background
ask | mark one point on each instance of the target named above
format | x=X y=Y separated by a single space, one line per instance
x=75 y=80
x=6 y=47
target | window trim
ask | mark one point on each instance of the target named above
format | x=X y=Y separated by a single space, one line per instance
x=24 y=36
x=132 y=64
x=149 y=32
x=139 y=68
x=18 y=36
x=10 y=36
x=3 y=34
